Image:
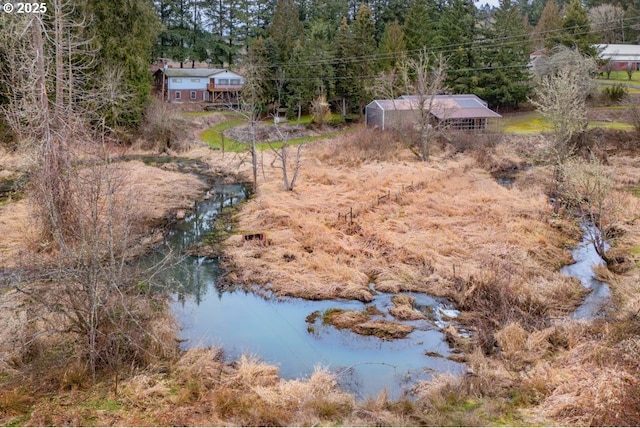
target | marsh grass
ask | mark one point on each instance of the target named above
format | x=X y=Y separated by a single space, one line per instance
x=443 y=222
x=15 y=403
x=452 y=231
x=362 y=323
x=403 y=308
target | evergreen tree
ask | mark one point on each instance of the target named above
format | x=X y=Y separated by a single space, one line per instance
x=363 y=51
x=385 y=12
x=576 y=30
x=457 y=33
x=262 y=11
x=421 y=25
x=392 y=49
x=286 y=28
x=548 y=25
x=504 y=79
x=259 y=76
x=346 y=76
x=218 y=18
x=631 y=33
x=126 y=32
x=329 y=12
x=176 y=36
x=310 y=70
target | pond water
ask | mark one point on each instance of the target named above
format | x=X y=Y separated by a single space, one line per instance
x=276 y=330
x=586 y=258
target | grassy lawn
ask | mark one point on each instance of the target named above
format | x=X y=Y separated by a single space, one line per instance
x=620 y=76
x=196 y=113
x=533 y=123
x=214 y=138
x=214 y=135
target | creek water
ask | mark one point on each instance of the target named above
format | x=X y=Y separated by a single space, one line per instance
x=586 y=258
x=277 y=330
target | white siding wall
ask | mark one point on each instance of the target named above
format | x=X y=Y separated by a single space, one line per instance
x=187 y=83
x=228 y=75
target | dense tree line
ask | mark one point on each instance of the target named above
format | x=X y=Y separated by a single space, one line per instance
x=99 y=62
x=337 y=48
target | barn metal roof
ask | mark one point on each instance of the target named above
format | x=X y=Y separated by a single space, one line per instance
x=443 y=106
x=192 y=72
x=619 y=52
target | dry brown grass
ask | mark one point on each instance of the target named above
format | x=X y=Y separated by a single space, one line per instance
x=593 y=384
x=454 y=217
x=521 y=348
x=160 y=191
x=454 y=233
x=16 y=232
x=403 y=308
x=363 y=145
x=361 y=323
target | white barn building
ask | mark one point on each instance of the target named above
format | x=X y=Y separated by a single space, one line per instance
x=459 y=112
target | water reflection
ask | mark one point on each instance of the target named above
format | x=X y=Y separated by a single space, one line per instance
x=586 y=258
x=277 y=331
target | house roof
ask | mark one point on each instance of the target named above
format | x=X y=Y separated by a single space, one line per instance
x=619 y=52
x=463 y=106
x=192 y=72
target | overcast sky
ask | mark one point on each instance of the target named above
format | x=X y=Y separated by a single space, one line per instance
x=480 y=3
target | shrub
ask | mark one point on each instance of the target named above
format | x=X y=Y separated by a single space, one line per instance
x=478 y=142
x=363 y=145
x=614 y=93
x=497 y=301
x=163 y=128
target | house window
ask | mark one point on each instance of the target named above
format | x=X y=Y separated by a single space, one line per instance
x=235 y=81
x=195 y=80
x=223 y=81
x=176 y=80
x=193 y=95
x=178 y=95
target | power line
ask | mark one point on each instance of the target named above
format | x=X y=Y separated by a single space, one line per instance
x=521 y=39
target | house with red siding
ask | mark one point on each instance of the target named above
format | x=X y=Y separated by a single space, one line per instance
x=213 y=85
x=621 y=57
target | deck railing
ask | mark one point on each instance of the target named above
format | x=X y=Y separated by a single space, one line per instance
x=223 y=88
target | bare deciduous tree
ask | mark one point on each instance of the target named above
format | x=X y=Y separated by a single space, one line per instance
x=252 y=98
x=45 y=78
x=282 y=156
x=607 y=20
x=560 y=100
x=77 y=195
x=587 y=189
x=424 y=77
x=565 y=81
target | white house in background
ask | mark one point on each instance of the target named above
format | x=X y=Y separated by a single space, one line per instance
x=200 y=84
x=622 y=57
